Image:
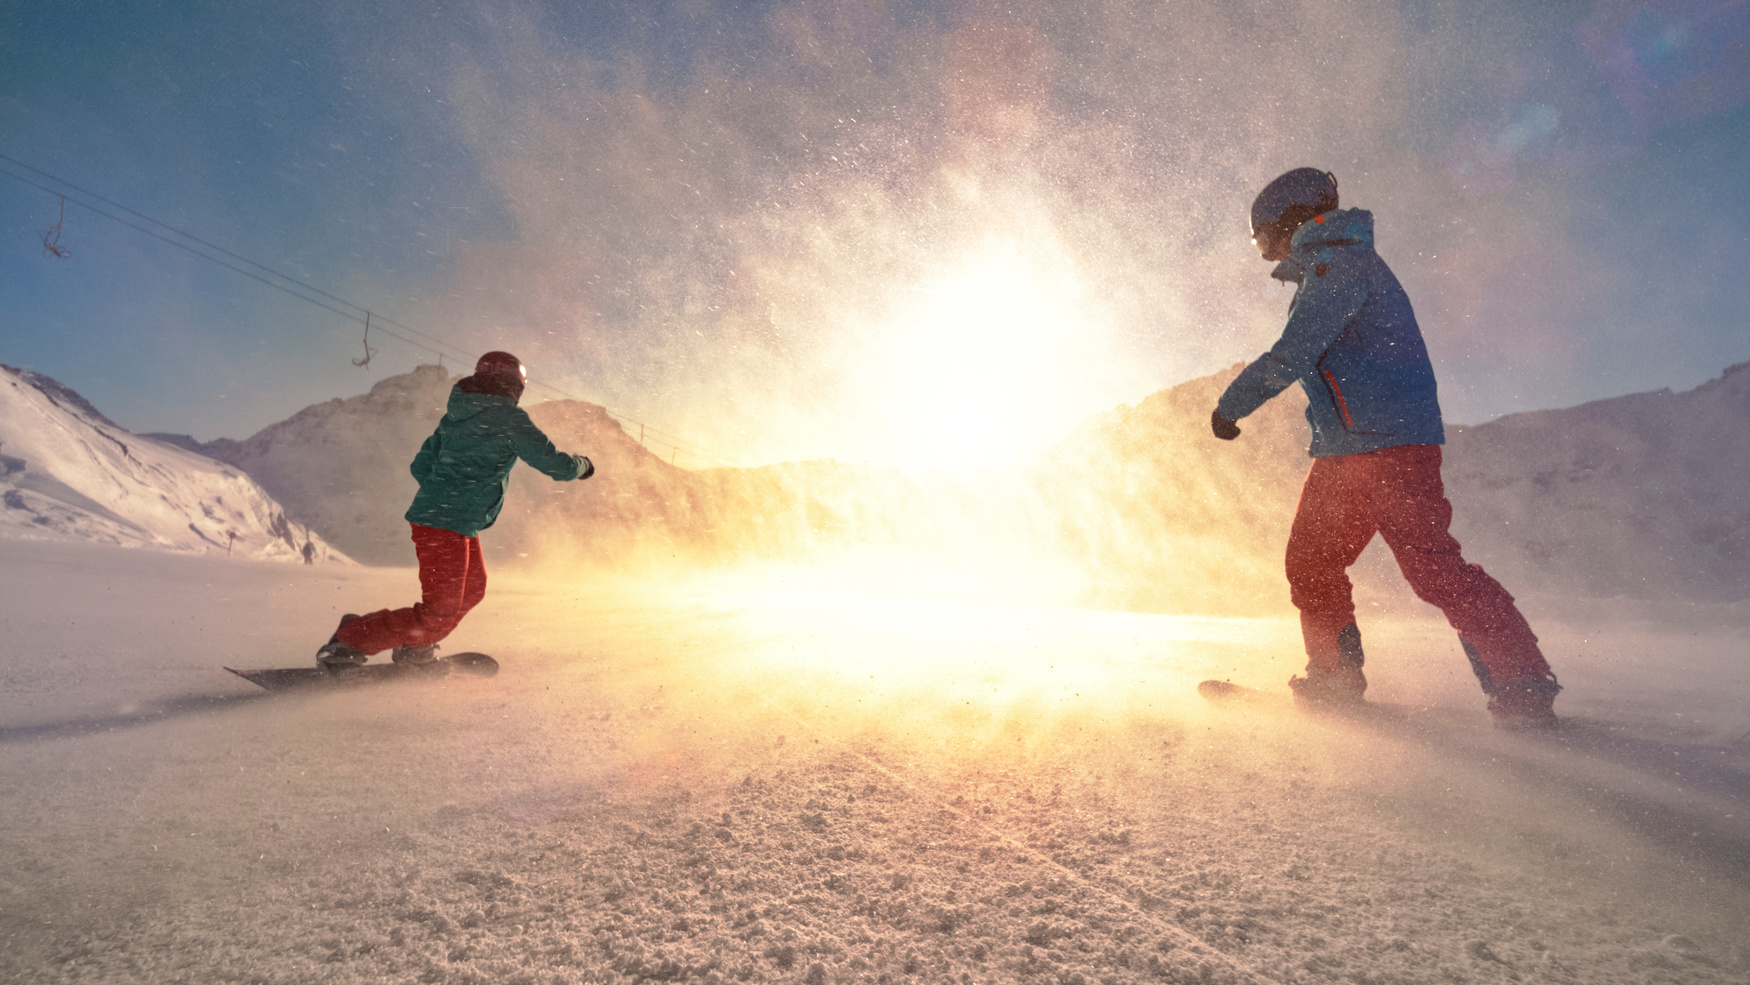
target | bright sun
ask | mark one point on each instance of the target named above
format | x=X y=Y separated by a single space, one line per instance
x=996 y=357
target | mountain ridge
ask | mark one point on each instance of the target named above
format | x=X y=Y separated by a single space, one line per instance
x=67 y=472
x=1640 y=495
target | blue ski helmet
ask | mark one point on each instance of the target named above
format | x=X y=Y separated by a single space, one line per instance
x=1293 y=198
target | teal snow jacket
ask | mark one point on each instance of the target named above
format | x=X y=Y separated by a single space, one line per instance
x=464 y=467
x=1352 y=343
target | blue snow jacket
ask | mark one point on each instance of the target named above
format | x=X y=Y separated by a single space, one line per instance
x=1351 y=341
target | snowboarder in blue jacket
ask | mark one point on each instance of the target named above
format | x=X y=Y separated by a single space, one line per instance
x=1353 y=345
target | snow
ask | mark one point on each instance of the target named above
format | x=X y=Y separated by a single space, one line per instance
x=341 y=466
x=67 y=473
x=899 y=748
x=1638 y=496
x=1641 y=496
x=788 y=775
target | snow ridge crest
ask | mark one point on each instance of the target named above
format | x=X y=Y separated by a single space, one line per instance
x=68 y=473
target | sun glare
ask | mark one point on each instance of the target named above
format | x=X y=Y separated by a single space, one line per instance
x=999 y=355
x=859 y=632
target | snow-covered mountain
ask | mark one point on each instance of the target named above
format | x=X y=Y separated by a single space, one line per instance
x=1639 y=496
x=1642 y=496
x=1164 y=516
x=69 y=473
x=1646 y=495
x=341 y=466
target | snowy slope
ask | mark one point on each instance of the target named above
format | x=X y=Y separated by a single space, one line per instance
x=1163 y=515
x=1642 y=496
x=1646 y=495
x=341 y=466
x=69 y=473
x=745 y=780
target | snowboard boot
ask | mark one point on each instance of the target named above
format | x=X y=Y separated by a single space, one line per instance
x=419 y=660
x=335 y=656
x=1526 y=704
x=1521 y=704
x=1338 y=687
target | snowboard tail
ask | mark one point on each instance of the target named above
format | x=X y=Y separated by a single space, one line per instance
x=297 y=678
x=1225 y=692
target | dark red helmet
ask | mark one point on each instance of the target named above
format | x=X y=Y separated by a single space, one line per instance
x=501 y=364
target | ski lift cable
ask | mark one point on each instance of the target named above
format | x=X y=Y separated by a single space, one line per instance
x=433 y=344
x=219 y=249
x=183 y=246
x=214 y=247
x=671 y=440
x=668 y=439
x=180 y=232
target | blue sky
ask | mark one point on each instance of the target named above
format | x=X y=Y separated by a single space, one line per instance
x=902 y=232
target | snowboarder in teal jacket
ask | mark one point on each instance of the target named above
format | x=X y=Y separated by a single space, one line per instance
x=1353 y=345
x=463 y=470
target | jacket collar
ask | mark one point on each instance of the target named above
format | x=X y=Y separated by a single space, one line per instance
x=465 y=403
x=1315 y=242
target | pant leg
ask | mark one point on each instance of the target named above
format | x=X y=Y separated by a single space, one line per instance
x=475 y=587
x=448 y=573
x=1414 y=517
x=1332 y=525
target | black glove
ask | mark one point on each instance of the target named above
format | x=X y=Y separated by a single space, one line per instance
x=1224 y=429
x=585 y=468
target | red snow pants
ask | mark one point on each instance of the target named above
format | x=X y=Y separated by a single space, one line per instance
x=1397 y=493
x=452 y=580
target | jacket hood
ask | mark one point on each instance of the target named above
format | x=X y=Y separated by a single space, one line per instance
x=1316 y=242
x=464 y=405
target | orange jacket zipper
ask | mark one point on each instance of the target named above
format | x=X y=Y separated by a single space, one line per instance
x=1342 y=405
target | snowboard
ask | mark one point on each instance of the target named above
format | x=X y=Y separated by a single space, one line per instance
x=1227 y=692
x=296 y=678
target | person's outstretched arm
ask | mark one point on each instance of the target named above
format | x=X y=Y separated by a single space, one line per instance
x=533 y=446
